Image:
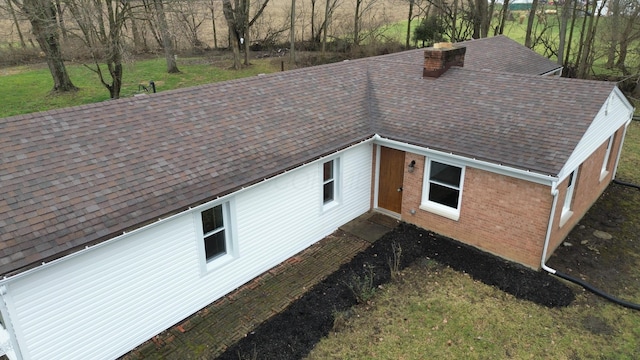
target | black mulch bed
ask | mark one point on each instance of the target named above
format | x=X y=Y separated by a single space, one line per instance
x=293 y=333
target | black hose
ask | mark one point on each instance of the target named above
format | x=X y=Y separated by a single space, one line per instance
x=616 y=181
x=598 y=292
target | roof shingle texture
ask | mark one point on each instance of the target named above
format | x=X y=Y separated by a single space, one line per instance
x=78 y=176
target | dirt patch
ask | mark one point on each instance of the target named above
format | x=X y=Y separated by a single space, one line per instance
x=294 y=332
x=602 y=249
x=597 y=326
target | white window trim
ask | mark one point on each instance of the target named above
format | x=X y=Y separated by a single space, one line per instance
x=434 y=207
x=568 y=198
x=231 y=245
x=337 y=184
x=607 y=155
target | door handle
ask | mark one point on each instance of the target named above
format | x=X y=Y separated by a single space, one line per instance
x=400 y=189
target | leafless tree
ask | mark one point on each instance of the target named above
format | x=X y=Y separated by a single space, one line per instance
x=167 y=38
x=14 y=18
x=622 y=30
x=239 y=21
x=135 y=23
x=44 y=25
x=100 y=24
x=532 y=17
x=292 y=49
x=234 y=19
x=212 y=8
x=585 y=60
x=417 y=9
x=362 y=6
x=563 y=21
x=190 y=17
x=459 y=17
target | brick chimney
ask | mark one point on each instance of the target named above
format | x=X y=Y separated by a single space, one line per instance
x=439 y=58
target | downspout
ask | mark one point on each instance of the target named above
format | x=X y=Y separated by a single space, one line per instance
x=585 y=285
x=547 y=238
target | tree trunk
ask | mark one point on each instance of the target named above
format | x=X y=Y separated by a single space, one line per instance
x=585 y=62
x=16 y=23
x=475 y=17
x=42 y=15
x=234 y=40
x=562 y=38
x=532 y=17
x=313 y=22
x=627 y=37
x=406 y=44
x=454 y=18
x=325 y=26
x=486 y=18
x=60 y=16
x=213 y=25
x=138 y=43
x=246 y=6
x=614 y=18
x=622 y=57
x=569 y=41
x=582 y=35
x=167 y=41
x=356 y=23
x=292 y=54
x=505 y=14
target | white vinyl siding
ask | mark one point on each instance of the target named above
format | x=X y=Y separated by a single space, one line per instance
x=103 y=302
x=613 y=115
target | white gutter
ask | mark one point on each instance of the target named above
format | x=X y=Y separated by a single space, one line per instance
x=553 y=72
x=538 y=178
x=547 y=238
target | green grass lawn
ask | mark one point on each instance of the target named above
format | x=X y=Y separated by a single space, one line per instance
x=629 y=165
x=27 y=89
x=434 y=312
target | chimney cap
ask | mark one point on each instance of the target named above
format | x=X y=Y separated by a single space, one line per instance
x=443 y=45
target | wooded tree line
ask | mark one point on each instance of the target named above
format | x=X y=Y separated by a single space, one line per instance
x=575 y=32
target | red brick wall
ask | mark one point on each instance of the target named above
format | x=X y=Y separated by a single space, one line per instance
x=588 y=189
x=499 y=214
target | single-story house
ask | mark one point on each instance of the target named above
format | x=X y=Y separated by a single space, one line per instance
x=121 y=218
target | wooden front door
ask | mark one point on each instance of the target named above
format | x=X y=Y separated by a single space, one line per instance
x=390 y=179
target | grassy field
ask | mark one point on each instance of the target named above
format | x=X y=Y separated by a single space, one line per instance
x=26 y=89
x=437 y=313
x=629 y=166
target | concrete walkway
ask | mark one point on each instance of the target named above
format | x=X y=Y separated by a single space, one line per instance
x=211 y=330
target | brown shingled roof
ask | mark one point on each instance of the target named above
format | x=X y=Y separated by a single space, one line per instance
x=521 y=121
x=82 y=175
x=498 y=53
